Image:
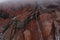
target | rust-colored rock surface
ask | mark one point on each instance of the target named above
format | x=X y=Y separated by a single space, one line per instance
x=29 y=23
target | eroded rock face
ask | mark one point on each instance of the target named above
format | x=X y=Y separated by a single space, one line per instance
x=30 y=23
